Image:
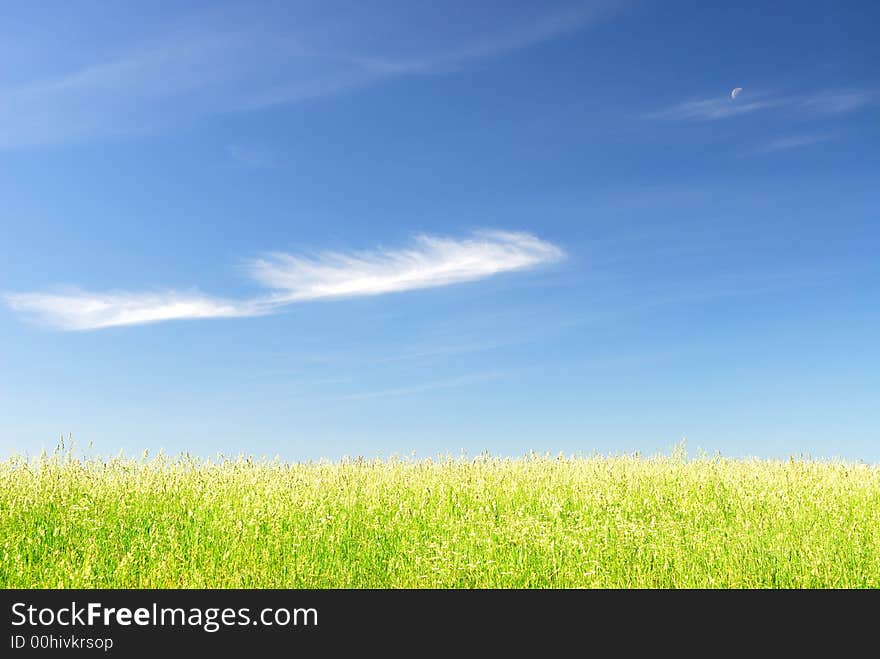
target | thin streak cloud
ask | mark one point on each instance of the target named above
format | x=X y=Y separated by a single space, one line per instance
x=710 y=109
x=838 y=102
x=791 y=142
x=431 y=261
x=828 y=102
x=178 y=74
x=83 y=310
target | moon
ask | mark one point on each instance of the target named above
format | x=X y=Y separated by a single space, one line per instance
x=736 y=92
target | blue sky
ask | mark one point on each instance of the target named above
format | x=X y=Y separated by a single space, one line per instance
x=329 y=229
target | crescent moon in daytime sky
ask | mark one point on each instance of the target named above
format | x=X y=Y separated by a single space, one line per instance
x=736 y=92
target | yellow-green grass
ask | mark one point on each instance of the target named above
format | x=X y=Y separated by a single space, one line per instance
x=535 y=522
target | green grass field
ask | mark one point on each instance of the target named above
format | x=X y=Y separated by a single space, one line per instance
x=536 y=522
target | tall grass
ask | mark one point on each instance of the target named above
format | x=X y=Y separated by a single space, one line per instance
x=535 y=522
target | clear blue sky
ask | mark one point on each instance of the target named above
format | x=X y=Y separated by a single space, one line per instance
x=328 y=229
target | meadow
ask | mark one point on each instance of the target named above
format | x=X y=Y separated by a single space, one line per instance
x=534 y=522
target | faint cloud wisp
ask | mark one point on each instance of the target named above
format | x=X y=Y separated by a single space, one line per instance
x=724 y=107
x=791 y=142
x=837 y=102
x=178 y=74
x=710 y=109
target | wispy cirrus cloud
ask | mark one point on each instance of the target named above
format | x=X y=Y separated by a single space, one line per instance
x=840 y=101
x=709 y=109
x=239 y=61
x=431 y=261
x=792 y=142
x=83 y=310
x=541 y=27
x=827 y=102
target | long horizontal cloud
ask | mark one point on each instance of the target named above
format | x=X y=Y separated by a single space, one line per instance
x=723 y=107
x=840 y=101
x=82 y=310
x=223 y=60
x=792 y=142
x=431 y=261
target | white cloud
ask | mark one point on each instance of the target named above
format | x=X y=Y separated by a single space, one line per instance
x=543 y=26
x=791 y=142
x=709 y=109
x=431 y=261
x=82 y=310
x=236 y=61
x=723 y=107
x=837 y=102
